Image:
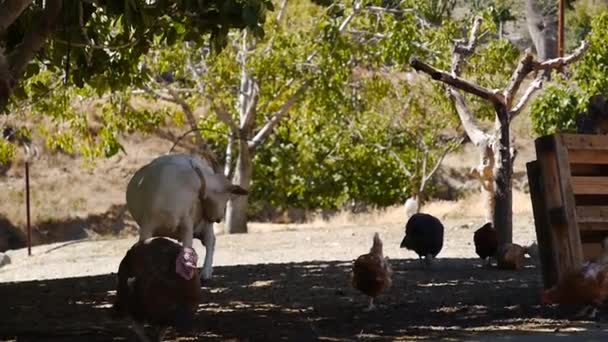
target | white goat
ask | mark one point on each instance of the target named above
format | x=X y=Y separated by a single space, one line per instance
x=181 y=196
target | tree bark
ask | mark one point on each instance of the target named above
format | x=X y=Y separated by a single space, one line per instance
x=236 y=210
x=541 y=19
x=503 y=177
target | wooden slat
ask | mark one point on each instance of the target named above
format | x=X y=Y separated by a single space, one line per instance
x=588 y=156
x=593 y=236
x=588 y=170
x=590 y=185
x=593 y=226
x=592 y=214
x=543 y=231
x=555 y=178
x=591 y=200
x=585 y=141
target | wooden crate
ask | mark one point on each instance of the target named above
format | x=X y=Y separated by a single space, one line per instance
x=569 y=192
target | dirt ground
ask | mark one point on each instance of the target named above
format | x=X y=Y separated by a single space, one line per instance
x=292 y=283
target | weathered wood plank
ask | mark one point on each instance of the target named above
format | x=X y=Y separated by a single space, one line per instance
x=593 y=226
x=555 y=177
x=582 y=200
x=588 y=156
x=592 y=214
x=584 y=141
x=541 y=224
x=588 y=170
x=590 y=185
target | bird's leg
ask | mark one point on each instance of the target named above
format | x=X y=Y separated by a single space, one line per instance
x=488 y=262
x=160 y=333
x=594 y=312
x=429 y=260
x=140 y=332
x=589 y=311
x=421 y=260
x=371 y=305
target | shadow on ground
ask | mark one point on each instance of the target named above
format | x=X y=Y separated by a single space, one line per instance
x=309 y=301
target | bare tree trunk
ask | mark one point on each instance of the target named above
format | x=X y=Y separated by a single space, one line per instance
x=236 y=211
x=484 y=172
x=503 y=178
x=541 y=18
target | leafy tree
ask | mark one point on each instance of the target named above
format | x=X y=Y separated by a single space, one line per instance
x=556 y=110
x=100 y=42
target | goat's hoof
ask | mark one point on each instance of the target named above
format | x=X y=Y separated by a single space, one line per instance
x=206 y=275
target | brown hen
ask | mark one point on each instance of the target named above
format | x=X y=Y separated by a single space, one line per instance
x=585 y=285
x=154 y=289
x=372 y=272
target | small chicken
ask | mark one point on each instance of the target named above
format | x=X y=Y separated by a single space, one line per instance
x=154 y=287
x=486 y=243
x=511 y=256
x=585 y=285
x=424 y=235
x=372 y=272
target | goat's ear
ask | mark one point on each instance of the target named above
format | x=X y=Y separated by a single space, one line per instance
x=237 y=190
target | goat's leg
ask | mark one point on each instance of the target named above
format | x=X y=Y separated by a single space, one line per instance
x=208 y=240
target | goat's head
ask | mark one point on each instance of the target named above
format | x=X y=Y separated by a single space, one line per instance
x=218 y=190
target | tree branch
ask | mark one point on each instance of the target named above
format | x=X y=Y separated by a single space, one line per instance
x=457 y=82
x=462 y=50
x=21 y=56
x=467 y=118
x=282 y=10
x=559 y=62
x=524 y=67
x=425 y=178
x=10 y=10
x=407 y=172
x=347 y=20
x=269 y=126
x=252 y=103
x=224 y=115
x=534 y=86
x=157 y=94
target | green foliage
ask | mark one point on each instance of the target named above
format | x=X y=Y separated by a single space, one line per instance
x=555 y=109
x=578 y=21
x=435 y=11
x=360 y=133
x=7 y=152
x=104 y=41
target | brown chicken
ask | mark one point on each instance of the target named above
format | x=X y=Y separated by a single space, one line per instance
x=154 y=289
x=486 y=243
x=585 y=285
x=511 y=256
x=372 y=272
